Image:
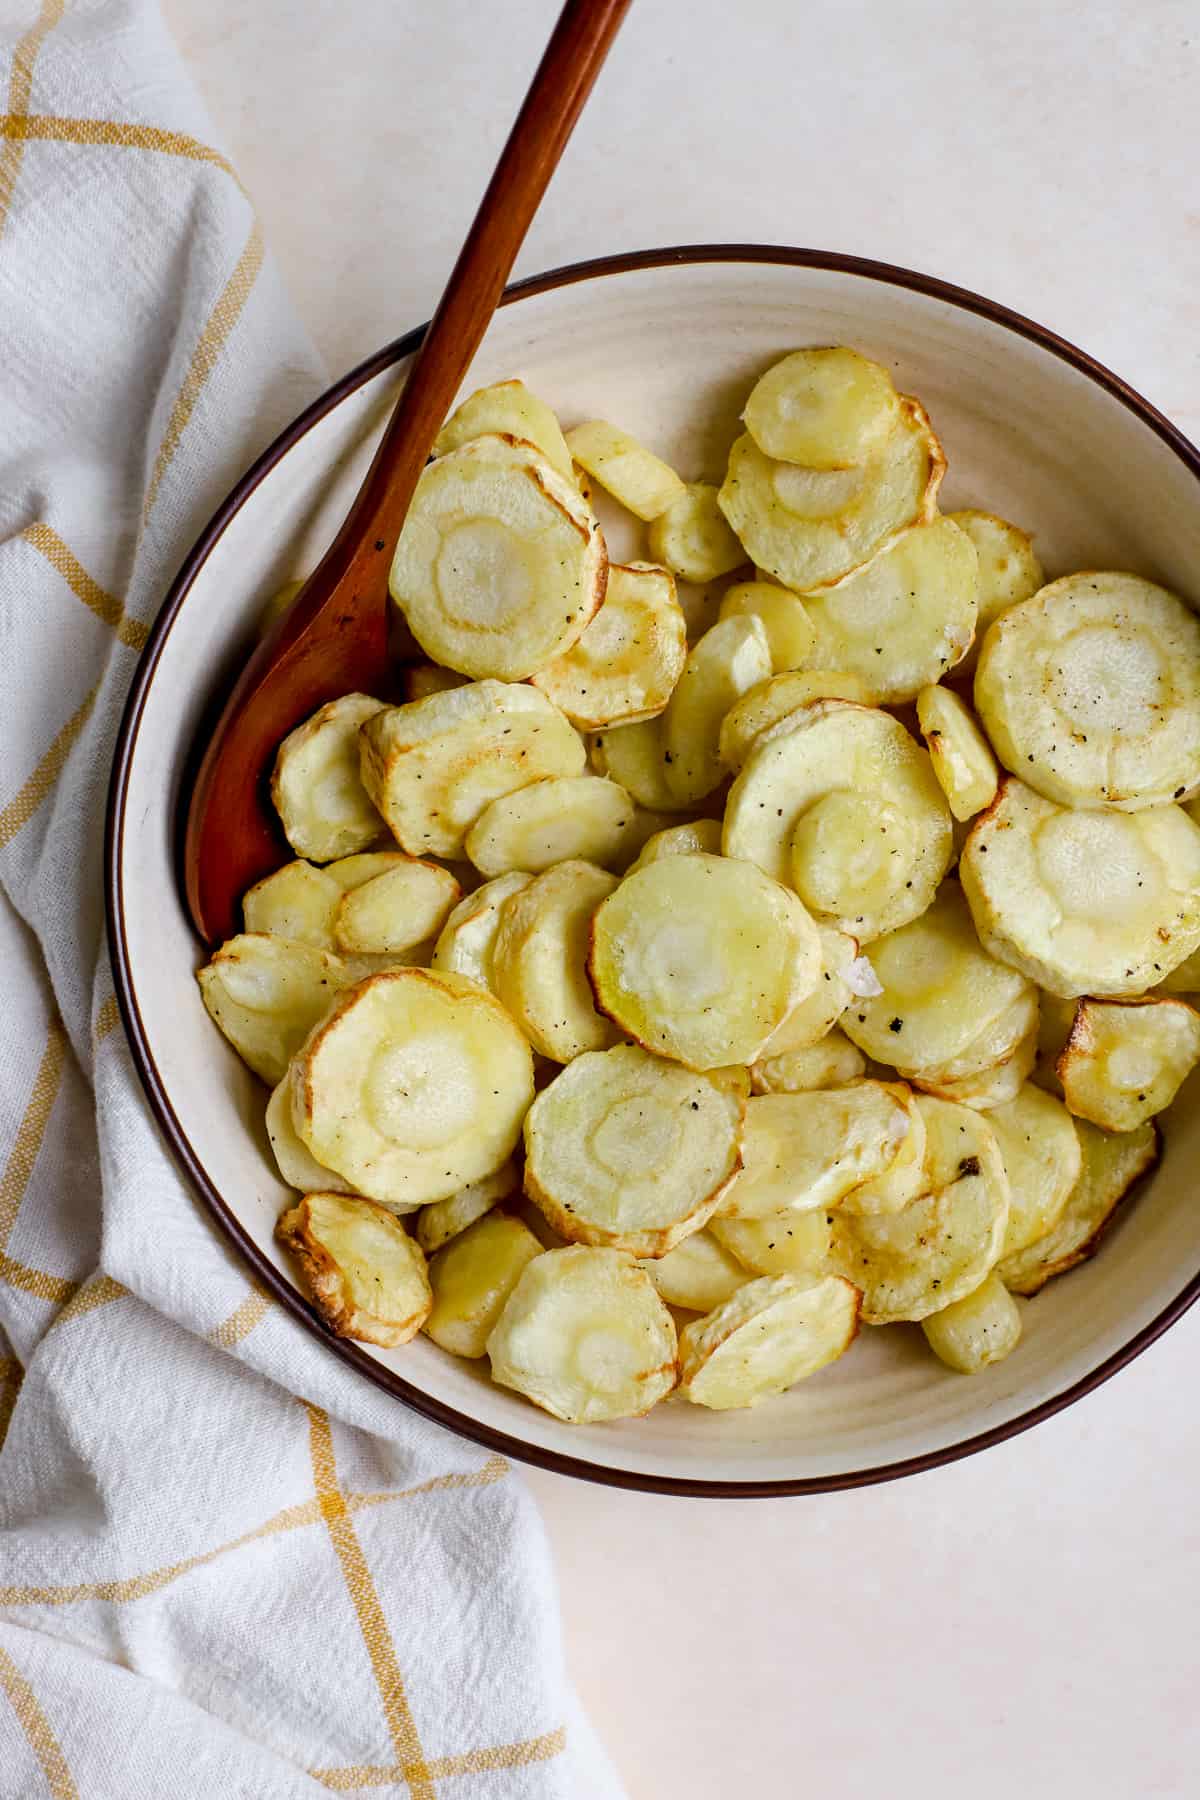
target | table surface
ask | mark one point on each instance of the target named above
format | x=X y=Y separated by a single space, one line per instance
x=1020 y=1621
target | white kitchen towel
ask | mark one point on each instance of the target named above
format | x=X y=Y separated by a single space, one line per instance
x=228 y=1566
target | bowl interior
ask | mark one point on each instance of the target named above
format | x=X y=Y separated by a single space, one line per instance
x=669 y=352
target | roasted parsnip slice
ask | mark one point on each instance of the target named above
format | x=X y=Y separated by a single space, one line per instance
x=790 y=633
x=633 y=755
x=844 y=806
x=501 y=563
x=296 y=902
x=905 y=1179
x=772 y=1333
x=692 y=539
x=701 y=958
x=296 y=1163
x=807 y=1151
x=1126 y=1061
x=395 y=911
x=698 y=837
x=550 y=822
x=626 y=664
x=986 y=1088
x=625 y=1150
x=809 y=526
x=731 y=657
x=636 y=478
x=773 y=702
x=980 y=1329
x=961 y=756
x=416 y=1084
x=539 y=960
x=585 y=1337
x=1043 y=1161
x=507 y=408
x=442 y=1220
x=1008 y=569
x=699 y=1273
x=1102 y=903
x=433 y=765
x=905 y=618
x=364 y=1273
x=828 y=408
x=783 y=1243
x=938 y=1248
x=821 y=1008
x=465 y=944
x=1112 y=1162
x=472 y=1278
x=995 y=1044
x=317 y=787
x=831 y=1062
x=941 y=991
x=1090 y=691
x=265 y=994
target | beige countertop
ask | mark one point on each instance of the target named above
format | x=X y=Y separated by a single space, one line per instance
x=1019 y=1623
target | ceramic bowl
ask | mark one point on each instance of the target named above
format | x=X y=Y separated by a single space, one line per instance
x=668 y=343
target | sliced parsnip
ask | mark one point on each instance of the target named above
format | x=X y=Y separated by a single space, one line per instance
x=416 y=1084
x=821 y=1008
x=465 y=944
x=625 y=665
x=298 y=1166
x=701 y=958
x=692 y=539
x=831 y=1062
x=507 y=408
x=433 y=765
x=961 y=755
x=353 y=871
x=265 y=994
x=442 y=1220
x=550 y=822
x=633 y=755
x=539 y=960
x=844 y=806
x=1112 y=1162
x=472 y=1278
x=699 y=1273
x=1008 y=569
x=941 y=993
x=1102 y=903
x=698 y=837
x=585 y=1336
x=317 y=787
x=296 y=902
x=939 y=1247
x=732 y=657
x=626 y=1150
x=986 y=1088
x=1043 y=1160
x=807 y=1151
x=905 y=1180
x=772 y=703
x=395 y=911
x=828 y=408
x=636 y=478
x=789 y=630
x=501 y=563
x=995 y=1044
x=905 y=618
x=980 y=1329
x=422 y=679
x=770 y=1334
x=364 y=1273
x=783 y=1243
x=1126 y=1061
x=1090 y=691
x=807 y=527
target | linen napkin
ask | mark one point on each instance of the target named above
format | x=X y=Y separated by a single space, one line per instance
x=228 y=1566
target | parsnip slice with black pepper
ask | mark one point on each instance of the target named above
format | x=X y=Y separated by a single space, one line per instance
x=396 y=910
x=501 y=563
x=442 y=1220
x=265 y=994
x=539 y=960
x=803 y=1152
x=731 y=657
x=297 y=902
x=701 y=958
x=550 y=822
x=465 y=944
x=961 y=755
x=828 y=408
x=317 y=786
x=772 y=1333
x=772 y=703
x=366 y=1276
x=626 y=664
x=831 y=1062
x=782 y=1243
x=781 y=613
x=980 y=1329
x=634 y=756
x=296 y=1163
x=1126 y=1061
x=631 y=1152
x=1043 y=1160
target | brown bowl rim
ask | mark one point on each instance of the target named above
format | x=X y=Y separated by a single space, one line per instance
x=148 y=1073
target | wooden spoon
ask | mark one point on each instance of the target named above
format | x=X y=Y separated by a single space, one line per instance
x=334 y=638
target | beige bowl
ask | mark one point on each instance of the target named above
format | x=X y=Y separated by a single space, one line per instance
x=667 y=344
